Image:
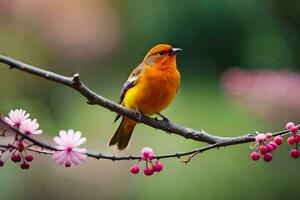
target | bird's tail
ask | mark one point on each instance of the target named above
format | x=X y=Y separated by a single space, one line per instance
x=123 y=133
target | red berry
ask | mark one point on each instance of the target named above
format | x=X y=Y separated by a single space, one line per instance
x=289 y=125
x=274 y=145
x=269 y=135
x=294 y=153
x=158 y=166
x=291 y=140
x=16 y=158
x=268 y=157
x=263 y=149
x=29 y=158
x=254 y=156
x=270 y=147
x=24 y=165
x=293 y=129
x=134 y=169
x=148 y=171
x=297 y=138
x=278 y=140
x=1 y=163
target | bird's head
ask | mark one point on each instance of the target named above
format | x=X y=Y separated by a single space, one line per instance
x=161 y=54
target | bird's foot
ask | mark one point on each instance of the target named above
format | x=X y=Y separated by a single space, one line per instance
x=138 y=116
x=166 y=120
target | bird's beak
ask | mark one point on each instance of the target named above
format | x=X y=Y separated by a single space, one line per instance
x=174 y=51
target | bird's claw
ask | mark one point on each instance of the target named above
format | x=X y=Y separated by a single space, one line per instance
x=165 y=120
x=138 y=116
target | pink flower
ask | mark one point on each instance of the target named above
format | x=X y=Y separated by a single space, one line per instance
x=16 y=117
x=260 y=137
x=30 y=127
x=67 y=144
x=147 y=153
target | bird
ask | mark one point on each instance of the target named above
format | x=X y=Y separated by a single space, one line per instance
x=149 y=89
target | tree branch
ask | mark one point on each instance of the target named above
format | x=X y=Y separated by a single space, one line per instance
x=48 y=149
x=95 y=99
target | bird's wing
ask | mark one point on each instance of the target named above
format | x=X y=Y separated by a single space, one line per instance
x=131 y=81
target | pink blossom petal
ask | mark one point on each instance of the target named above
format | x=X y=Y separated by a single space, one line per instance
x=80 y=142
x=7 y=120
x=37 y=132
x=70 y=135
x=74 y=158
x=58 y=154
x=80 y=150
x=63 y=135
x=26 y=116
x=62 y=158
x=81 y=156
x=61 y=148
x=58 y=141
x=77 y=136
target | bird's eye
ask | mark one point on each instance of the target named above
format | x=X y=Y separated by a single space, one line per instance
x=161 y=53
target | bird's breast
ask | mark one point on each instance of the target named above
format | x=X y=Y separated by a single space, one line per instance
x=154 y=91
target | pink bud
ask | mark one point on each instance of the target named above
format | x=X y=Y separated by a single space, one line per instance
x=269 y=135
x=260 y=137
x=68 y=164
x=289 y=125
x=1 y=163
x=134 y=169
x=148 y=171
x=24 y=165
x=291 y=140
x=16 y=157
x=151 y=156
x=268 y=157
x=263 y=149
x=294 y=153
x=293 y=129
x=21 y=146
x=144 y=158
x=278 y=140
x=29 y=158
x=158 y=166
x=146 y=151
x=274 y=145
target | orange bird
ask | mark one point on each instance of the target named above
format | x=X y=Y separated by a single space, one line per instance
x=149 y=89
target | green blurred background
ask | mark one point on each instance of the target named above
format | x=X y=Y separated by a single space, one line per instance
x=103 y=41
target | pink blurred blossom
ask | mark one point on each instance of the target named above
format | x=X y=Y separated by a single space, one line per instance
x=270 y=94
x=16 y=117
x=69 y=27
x=67 y=144
x=30 y=127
